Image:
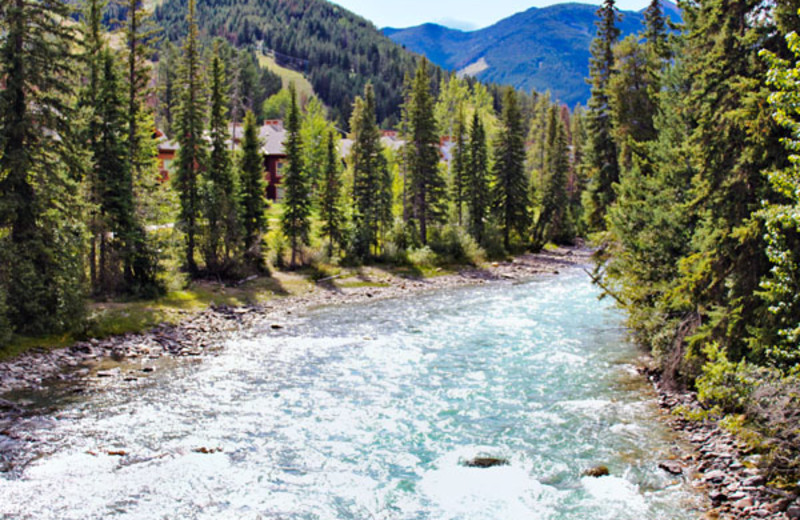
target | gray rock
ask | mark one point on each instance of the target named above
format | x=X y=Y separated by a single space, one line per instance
x=672 y=467
x=485 y=462
x=793 y=512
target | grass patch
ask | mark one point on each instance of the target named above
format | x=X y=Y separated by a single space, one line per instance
x=301 y=83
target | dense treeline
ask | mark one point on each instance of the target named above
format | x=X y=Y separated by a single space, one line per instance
x=85 y=213
x=692 y=193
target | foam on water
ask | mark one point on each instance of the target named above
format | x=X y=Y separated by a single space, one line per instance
x=370 y=411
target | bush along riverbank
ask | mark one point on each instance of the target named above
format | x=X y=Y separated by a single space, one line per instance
x=722 y=465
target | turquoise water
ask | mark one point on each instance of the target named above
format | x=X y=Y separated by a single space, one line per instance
x=368 y=412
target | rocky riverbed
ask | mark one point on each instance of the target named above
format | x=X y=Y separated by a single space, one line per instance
x=722 y=467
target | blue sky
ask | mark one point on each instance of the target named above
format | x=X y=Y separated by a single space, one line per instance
x=461 y=14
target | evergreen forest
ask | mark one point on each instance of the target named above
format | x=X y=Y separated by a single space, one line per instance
x=682 y=172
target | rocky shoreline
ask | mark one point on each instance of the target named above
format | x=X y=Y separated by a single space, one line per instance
x=721 y=466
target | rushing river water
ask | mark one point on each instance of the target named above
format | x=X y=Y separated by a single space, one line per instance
x=369 y=412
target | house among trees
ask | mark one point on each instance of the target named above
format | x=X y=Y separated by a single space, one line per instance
x=272 y=136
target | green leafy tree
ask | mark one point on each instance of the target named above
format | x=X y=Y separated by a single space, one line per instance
x=314 y=129
x=510 y=188
x=252 y=199
x=477 y=185
x=222 y=223
x=330 y=209
x=601 y=158
x=42 y=235
x=297 y=200
x=192 y=154
x=427 y=187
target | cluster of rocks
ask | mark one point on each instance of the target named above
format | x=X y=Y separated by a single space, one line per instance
x=721 y=467
x=196 y=333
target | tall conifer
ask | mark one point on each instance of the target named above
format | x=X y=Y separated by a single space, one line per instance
x=297 y=193
x=368 y=163
x=42 y=244
x=252 y=200
x=427 y=187
x=330 y=210
x=192 y=154
x=601 y=154
x=510 y=188
x=477 y=185
x=222 y=224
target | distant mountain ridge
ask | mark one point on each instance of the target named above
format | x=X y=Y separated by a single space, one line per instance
x=542 y=48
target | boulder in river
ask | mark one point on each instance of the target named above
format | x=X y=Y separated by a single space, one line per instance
x=485 y=462
x=597 y=471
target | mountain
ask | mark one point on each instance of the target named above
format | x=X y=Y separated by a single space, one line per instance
x=336 y=50
x=541 y=48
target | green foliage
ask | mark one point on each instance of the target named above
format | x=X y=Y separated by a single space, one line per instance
x=277 y=105
x=781 y=286
x=551 y=219
x=477 y=184
x=314 y=128
x=426 y=186
x=460 y=174
x=295 y=220
x=252 y=197
x=369 y=165
x=338 y=52
x=330 y=206
x=41 y=163
x=192 y=154
x=601 y=154
x=222 y=232
x=510 y=188
x=454 y=246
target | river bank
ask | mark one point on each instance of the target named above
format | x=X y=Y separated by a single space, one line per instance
x=199 y=331
x=720 y=465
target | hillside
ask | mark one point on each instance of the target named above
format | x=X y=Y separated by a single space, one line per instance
x=541 y=48
x=336 y=50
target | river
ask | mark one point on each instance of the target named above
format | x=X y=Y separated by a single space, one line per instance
x=370 y=411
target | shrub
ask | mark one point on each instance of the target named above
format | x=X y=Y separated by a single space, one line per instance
x=455 y=246
x=422 y=257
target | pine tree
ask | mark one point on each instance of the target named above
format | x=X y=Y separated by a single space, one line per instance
x=477 y=185
x=192 y=153
x=139 y=262
x=632 y=96
x=551 y=219
x=601 y=154
x=510 y=189
x=655 y=32
x=222 y=223
x=460 y=165
x=297 y=200
x=330 y=210
x=93 y=43
x=427 y=187
x=42 y=244
x=367 y=163
x=252 y=201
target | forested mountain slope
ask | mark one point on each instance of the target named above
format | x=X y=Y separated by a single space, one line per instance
x=338 y=51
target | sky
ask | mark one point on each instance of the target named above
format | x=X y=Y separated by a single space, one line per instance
x=459 y=14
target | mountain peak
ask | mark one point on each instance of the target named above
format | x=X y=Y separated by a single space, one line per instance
x=542 y=48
